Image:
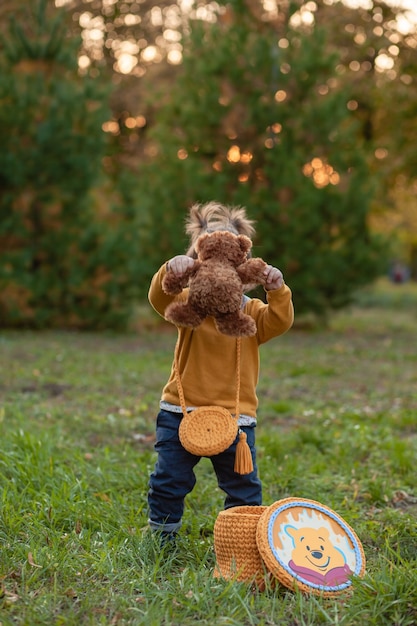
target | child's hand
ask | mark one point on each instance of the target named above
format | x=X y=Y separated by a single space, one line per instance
x=180 y=264
x=273 y=278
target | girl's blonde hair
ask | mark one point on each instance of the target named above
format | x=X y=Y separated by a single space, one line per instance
x=215 y=216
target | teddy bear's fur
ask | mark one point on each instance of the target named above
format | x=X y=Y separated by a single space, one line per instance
x=216 y=284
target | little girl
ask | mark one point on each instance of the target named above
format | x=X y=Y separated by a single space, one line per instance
x=207 y=368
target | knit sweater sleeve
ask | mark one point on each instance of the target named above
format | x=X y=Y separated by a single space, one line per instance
x=274 y=317
x=157 y=296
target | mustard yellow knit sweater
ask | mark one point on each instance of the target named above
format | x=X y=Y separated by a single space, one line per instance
x=207 y=358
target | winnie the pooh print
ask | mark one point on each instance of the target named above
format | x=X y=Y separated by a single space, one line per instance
x=315 y=558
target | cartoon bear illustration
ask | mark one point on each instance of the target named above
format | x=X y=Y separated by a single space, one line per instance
x=314 y=557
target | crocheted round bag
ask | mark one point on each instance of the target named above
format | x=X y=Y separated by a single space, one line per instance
x=208 y=430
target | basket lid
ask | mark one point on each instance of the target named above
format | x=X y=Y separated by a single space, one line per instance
x=305 y=544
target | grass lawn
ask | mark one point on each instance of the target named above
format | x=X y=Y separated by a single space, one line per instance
x=337 y=423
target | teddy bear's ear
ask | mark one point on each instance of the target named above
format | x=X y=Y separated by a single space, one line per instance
x=245 y=243
x=200 y=241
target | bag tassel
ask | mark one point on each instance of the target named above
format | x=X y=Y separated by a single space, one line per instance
x=243 y=458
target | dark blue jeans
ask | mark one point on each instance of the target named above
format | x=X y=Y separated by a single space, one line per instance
x=173 y=477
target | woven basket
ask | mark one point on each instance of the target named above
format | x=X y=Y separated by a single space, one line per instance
x=300 y=543
x=237 y=554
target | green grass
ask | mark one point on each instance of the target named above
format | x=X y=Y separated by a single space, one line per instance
x=337 y=423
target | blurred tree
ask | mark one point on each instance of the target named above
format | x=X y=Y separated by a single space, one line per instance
x=261 y=113
x=395 y=149
x=140 y=44
x=130 y=36
x=378 y=59
x=64 y=257
x=259 y=116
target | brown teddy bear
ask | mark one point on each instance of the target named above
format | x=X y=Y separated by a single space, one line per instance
x=216 y=284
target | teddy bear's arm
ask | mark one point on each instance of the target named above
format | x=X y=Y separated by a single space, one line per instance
x=252 y=270
x=174 y=283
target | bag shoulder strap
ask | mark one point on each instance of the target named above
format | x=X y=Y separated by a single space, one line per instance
x=179 y=384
